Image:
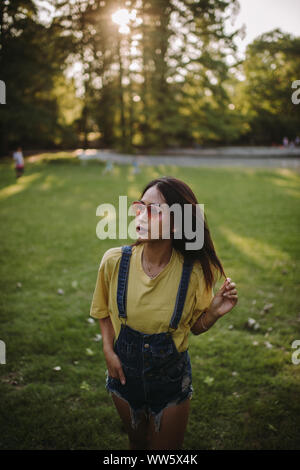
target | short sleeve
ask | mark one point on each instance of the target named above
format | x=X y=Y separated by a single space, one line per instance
x=99 y=306
x=203 y=297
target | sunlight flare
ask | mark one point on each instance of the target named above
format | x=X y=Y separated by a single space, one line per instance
x=122 y=17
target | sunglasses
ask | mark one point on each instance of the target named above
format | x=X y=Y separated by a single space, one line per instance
x=153 y=210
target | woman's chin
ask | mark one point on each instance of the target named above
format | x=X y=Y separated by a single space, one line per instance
x=143 y=236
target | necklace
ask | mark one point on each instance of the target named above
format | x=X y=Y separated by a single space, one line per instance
x=151 y=275
x=149 y=270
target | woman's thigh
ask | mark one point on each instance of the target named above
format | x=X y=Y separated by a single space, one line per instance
x=172 y=427
x=138 y=438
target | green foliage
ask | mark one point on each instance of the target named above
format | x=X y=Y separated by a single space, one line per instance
x=166 y=82
x=272 y=64
x=30 y=62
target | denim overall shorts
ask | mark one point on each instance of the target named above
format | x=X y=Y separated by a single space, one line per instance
x=157 y=375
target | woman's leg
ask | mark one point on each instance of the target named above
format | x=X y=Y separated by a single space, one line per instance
x=172 y=427
x=138 y=438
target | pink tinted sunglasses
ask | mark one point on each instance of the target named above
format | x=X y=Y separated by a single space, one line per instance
x=153 y=210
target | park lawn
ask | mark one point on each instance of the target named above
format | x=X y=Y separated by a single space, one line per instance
x=246 y=387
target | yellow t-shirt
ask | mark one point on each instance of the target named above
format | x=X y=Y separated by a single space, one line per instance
x=150 y=302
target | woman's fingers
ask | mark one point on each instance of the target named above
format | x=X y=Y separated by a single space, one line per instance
x=233 y=291
x=230 y=296
x=231 y=285
x=225 y=285
x=118 y=374
x=121 y=376
x=230 y=290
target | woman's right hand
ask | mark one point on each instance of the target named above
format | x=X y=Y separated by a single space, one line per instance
x=114 y=366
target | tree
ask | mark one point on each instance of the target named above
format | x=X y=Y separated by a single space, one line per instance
x=31 y=58
x=272 y=64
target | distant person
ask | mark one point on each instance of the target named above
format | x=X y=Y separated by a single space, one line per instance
x=297 y=141
x=136 y=168
x=19 y=162
x=285 y=142
x=108 y=167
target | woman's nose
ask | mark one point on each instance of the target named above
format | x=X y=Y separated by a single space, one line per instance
x=142 y=219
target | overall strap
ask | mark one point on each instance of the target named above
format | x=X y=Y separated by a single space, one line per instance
x=123 y=280
x=181 y=294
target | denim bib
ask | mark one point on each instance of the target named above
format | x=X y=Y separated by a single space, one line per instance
x=157 y=375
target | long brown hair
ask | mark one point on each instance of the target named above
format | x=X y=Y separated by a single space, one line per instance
x=176 y=191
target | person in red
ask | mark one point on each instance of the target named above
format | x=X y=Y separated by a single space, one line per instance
x=19 y=162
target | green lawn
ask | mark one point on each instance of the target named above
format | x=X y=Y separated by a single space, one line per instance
x=246 y=394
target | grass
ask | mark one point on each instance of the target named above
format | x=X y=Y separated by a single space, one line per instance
x=246 y=395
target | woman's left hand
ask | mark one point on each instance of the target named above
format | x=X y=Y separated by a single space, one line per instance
x=225 y=299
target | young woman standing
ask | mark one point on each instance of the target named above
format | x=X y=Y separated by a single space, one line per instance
x=148 y=297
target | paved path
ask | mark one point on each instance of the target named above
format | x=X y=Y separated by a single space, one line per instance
x=194 y=161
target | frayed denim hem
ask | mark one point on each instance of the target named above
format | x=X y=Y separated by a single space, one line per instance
x=136 y=414
x=187 y=393
x=158 y=415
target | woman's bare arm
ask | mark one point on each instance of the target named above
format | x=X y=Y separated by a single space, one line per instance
x=113 y=362
x=223 y=301
x=204 y=322
x=108 y=334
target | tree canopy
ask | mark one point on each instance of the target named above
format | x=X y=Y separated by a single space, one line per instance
x=141 y=74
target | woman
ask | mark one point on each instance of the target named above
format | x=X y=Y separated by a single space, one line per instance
x=148 y=297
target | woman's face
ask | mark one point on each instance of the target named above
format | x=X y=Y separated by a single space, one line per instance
x=156 y=225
